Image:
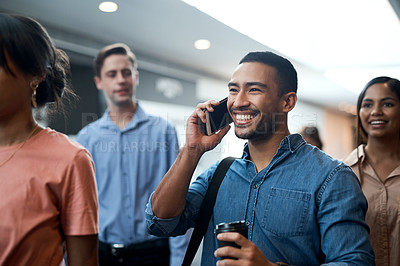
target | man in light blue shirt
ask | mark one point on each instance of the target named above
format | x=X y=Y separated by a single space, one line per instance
x=302 y=207
x=132 y=151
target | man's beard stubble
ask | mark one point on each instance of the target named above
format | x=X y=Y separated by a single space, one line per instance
x=265 y=129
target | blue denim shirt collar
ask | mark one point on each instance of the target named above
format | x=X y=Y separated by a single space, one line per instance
x=291 y=142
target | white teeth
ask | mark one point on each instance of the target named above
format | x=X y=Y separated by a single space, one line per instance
x=377 y=122
x=244 y=117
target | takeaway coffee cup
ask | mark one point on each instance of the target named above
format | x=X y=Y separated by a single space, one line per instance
x=239 y=226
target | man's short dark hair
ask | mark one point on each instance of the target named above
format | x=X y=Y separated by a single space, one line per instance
x=117 y=48
x=286 y=73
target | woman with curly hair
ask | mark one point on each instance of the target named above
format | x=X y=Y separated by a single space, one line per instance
x=48 y=200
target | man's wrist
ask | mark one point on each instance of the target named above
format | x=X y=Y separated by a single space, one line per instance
x=192 y=152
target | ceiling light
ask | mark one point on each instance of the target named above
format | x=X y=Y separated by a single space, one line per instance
x=108 y=7
x=202 y=44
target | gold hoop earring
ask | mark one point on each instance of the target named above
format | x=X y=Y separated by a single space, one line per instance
x=34 y=86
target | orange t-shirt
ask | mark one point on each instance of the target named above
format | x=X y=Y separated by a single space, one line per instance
x=47 y=190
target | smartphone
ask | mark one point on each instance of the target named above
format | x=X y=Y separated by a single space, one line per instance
x=217 y=119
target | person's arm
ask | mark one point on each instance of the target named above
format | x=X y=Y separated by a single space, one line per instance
x=79 y=212
x=178 y=244
x=82 y=250
x=169 y=198
x=341 y=218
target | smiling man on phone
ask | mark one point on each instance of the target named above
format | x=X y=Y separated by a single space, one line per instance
x=301 y=206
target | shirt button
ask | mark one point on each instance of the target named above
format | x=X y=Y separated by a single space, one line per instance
x=247 y=223
x=255 y=186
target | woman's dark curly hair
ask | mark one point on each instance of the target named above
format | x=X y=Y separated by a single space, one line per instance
x=29 y=46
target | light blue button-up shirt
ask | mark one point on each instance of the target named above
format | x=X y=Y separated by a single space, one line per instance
x=304 y=208
x=130 y=163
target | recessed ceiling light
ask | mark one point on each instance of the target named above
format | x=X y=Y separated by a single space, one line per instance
x=108 y=6
x=202 y=44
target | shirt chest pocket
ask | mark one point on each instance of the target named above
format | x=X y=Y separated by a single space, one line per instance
x=286 y=212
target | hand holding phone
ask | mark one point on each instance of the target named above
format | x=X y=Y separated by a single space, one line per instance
x=218 y=119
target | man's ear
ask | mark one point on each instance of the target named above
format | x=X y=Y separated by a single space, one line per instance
x=137 y=77
x=97 y=80
x=288 y=101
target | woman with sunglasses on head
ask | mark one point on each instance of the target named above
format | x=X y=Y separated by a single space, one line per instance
x=376 y=162
x=48 y=200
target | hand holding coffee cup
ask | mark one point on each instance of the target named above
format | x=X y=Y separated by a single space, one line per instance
x=239 y=226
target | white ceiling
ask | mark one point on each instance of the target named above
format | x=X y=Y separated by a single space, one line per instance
x=163 y=32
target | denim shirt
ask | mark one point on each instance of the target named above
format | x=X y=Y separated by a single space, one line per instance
x=304 y=208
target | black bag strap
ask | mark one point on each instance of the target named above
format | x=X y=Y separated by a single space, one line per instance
x=206 y=210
